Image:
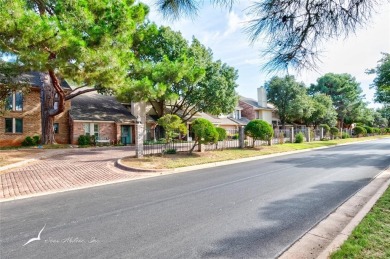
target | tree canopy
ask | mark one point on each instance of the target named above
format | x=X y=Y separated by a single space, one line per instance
x=177 y=77
x=294 y=30
x=289 y=97
x=381 y=82
x=86 y=41
x=345 y=92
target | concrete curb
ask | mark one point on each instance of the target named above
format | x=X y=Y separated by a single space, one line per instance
x=331 y=232
x=121 y=166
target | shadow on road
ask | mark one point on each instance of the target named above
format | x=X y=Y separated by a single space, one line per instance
x=292 y=217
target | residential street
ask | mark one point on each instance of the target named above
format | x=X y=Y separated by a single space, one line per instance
x=249 y=210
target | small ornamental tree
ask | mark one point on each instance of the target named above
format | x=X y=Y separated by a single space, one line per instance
x=204 y=131
x=221 y=133
x=359 y=131
x=326 y=128
x=334 y=132
x=259 y=130
x=172 y=125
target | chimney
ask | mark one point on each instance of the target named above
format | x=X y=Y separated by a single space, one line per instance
x=261 y=97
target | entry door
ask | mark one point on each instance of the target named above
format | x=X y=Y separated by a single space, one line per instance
x=126 y=134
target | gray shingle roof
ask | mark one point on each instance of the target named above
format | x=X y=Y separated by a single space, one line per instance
x=96 y=107
x=34 y=79
x=241 y=121
x=254 y=103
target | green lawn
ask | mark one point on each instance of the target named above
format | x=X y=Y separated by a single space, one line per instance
x=184 y=159
x=371 y=238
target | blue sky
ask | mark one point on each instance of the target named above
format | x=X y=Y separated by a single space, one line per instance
x=222 y=31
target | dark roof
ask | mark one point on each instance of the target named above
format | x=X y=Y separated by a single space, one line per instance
x=254 y=103
x=241 y=121
x=96 y=107
x=34 y=79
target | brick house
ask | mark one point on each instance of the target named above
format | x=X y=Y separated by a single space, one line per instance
x=257 y=109
x=22 y=117
x=101 y=116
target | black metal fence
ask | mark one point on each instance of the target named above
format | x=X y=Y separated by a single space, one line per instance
x=156 y=143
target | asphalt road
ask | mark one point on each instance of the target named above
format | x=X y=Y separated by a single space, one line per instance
x=248 y=210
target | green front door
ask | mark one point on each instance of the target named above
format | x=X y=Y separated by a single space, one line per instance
x=126 y=134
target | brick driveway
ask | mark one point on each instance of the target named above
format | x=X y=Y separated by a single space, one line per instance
x=59 y=170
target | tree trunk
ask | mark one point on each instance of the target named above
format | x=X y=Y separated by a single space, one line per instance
x=47 y=105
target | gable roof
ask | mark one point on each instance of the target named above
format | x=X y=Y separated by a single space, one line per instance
x=33 y=78
x=214 y=119
x=254 y=103
x=96 y=107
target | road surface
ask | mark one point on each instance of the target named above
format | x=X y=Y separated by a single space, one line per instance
x=249 y=210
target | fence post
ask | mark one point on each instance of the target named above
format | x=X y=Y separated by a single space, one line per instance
x=292 y=135
x=139 y=139
x=322 y=133
x=241 y=137
x=308 y=134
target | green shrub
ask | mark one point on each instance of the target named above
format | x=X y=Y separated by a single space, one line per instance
x=259 y=130
x=299 y=137
x=359 y=131
x=37 y=139
x=334 y=131
x=369 y=130
x=235 y=136
x=170 y=151
x=204 y=131
x=377 y=130
x=84 y=140
x=345 y=135
x=388 y=130
x=28 y=141
x=221 y=133
x=326 y=128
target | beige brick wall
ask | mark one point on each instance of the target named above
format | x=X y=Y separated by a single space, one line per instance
x=31 y=116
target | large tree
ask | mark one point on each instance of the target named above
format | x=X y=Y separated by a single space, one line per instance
x=381 y=82
x=177 y=77
x=294 y=30
x=323 y=111
x=345 y=92
x=86 y=41
x=289 y=97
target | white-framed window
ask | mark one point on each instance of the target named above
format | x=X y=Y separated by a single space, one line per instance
x=14 y=101
x=237 y=114
x=91 y=129
x=13 y=125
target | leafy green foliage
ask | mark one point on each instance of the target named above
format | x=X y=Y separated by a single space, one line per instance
x=87 y=42
x=334 y=132
x=382 y=80
x=326 y=128
x=345 y=135
x=84 y=140
x=289 y=97
x=31 y=141
x=204 y=131
x=299 y=137
x=359 y=131
x=323 y=111
x=345 y=92
x=172 y=125
x=369 y=130
x=170 y=71
x=259 y=130
x=222 y=134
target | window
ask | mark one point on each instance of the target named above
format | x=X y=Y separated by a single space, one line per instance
x=56 y=127
x=13 y=125
x=15 y=102
x=237 y=114
x=91 y=129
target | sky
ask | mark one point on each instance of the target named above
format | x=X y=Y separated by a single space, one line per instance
x=223 y=31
